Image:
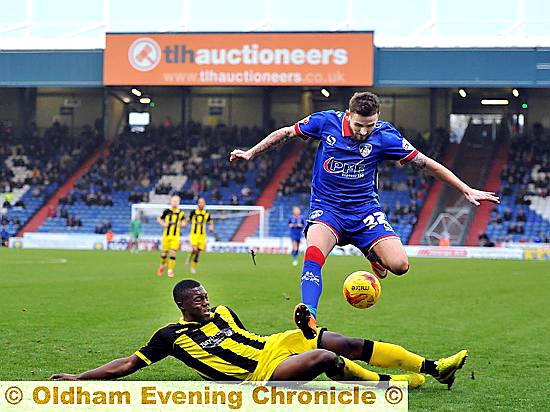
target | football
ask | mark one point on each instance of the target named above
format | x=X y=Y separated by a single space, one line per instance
x=362 y=289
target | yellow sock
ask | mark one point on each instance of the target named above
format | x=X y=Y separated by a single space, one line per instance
x=162 y=261
x=354 y=372
x=193 y=264
x=388 y=355
x=172 y=263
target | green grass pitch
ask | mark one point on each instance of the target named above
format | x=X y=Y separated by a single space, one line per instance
x=67 y=311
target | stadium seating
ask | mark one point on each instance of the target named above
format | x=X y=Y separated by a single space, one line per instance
x=524 y=212
x=188 y=160
x=191 y=160
x=32 y=169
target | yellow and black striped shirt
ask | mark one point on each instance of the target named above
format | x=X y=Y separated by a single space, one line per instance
x=199 y=218
x=174 y=219
x=221 y=349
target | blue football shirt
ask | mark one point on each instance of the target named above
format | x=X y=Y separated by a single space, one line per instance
x=345 y=172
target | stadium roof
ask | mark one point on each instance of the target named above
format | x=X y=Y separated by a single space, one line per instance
x=82 y=24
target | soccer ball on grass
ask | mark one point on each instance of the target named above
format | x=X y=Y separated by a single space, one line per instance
x=362 y=289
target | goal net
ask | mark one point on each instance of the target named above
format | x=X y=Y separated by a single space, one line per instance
x=227 y=219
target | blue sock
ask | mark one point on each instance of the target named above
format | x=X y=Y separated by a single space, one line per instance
x=311 y=285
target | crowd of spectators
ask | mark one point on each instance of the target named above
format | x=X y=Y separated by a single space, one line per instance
x=527 y=174
x=193 y=132
x=48 y=159
x=44 y=162
x=201 y=152
x=127 y=168
x=299 y=179
x=528 y=166
x=62 y=211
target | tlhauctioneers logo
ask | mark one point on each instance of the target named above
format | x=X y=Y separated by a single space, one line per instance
x=253 y=54
x=144 y=54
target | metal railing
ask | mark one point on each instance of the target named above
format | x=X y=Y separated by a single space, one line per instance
x=450 y=224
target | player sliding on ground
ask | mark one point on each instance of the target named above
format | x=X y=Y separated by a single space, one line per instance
x=172 y=220
x=215 y=343
x=197 y=235
x=345 y=208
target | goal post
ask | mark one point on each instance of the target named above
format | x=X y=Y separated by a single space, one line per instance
x=227 y=218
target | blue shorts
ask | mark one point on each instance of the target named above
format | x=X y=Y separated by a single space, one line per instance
x=362 y=229
x=296 y=238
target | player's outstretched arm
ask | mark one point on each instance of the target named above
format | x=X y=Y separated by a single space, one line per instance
x=282 y=135
x=437 y=170
x=112 y=370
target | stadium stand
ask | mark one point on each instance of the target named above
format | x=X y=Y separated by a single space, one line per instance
x=426 y=213
x=524 y=212
x=482 y=213
x=32 y=169
x=250 y=226
x=189 y=160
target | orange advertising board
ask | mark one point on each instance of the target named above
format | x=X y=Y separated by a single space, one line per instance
x=239 y=59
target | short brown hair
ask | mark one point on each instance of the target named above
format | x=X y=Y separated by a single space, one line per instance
x=364 y=104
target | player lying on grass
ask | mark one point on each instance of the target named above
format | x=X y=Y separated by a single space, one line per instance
x=344 y=205
x=214 y=343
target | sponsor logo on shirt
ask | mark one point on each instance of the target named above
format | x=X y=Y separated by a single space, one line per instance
x=347 y=170
x=216 y=339
x=315 y=214
x=331 y=140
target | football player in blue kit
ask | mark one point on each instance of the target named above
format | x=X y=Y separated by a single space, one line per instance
x=345 y=207
x=296 y=223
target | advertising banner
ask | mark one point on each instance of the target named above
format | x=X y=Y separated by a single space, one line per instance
x=239 y=59
x=268 y=245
